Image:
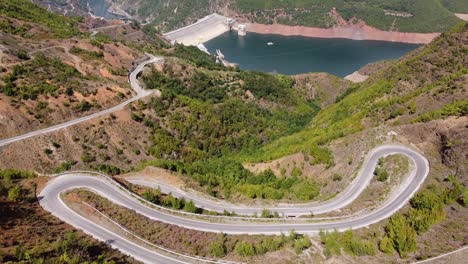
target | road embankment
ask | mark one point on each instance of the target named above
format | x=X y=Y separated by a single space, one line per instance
x=359 y=31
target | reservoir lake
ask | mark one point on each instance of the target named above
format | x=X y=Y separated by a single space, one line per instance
x=99 y=8
x=294 y=54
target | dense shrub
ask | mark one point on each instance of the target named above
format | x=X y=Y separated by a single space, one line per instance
x=217 y=249
x=335 y=242
x=244 y=249
x=402 y=235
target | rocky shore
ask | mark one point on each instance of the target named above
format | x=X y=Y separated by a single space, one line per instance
x=359 y=31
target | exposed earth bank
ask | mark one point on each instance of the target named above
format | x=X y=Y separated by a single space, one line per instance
x=359 y=31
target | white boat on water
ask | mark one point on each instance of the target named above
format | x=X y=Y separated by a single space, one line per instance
x=270 y=43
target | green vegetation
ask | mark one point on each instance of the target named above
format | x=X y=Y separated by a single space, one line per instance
x=465 y=197
x=301 y=244
x=195 y=56
x=108 y=169
x=407 y=16
x=375 y=101
x=67 y=249
x=167 y=200
x=60 y=26
x=230 y=176
x=456 y=6
x=335 y=242
x=416 y=16
x=381 y=174
x=217 y=249
x=209 y=125
x=337 y=177
x=54 y=242
x=14 y=194
x=427 y=210
x=64 y=166
x=100 y=39
x=244 y=249
x=401 y=234
x=10 y=185
x=457 y=108
x=163 y=15
x=206 y=122
x=192 y=241
x=88 y=157
x=6 y=25
x=87 y=54
x=39 y=76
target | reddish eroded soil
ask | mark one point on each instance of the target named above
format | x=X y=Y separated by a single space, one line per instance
x=352 y=29
x=359 y=31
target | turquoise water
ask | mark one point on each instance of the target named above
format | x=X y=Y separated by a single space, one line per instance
x=294 y=55
x=99 y=8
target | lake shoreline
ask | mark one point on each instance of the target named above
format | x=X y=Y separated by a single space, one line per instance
x=359 y=31
x=292 y=55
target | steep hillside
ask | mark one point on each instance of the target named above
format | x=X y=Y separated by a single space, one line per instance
x=206 y=110
x=414 y=16
x=31 y=235
x=428 y=84
x=52 y=69
x=404 y=16
x=420 y=100
x=234 y=134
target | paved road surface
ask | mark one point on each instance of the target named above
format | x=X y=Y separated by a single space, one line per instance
x=51 y=201
x=140 y=93
x=344 y=198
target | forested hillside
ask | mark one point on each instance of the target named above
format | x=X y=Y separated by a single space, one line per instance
x=405 y=16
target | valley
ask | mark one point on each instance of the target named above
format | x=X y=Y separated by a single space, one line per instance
x=166 y=156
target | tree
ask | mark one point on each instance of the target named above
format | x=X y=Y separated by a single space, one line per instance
x=292 y=235
x=268 y=244
x=190 y=207
x=381 y=174
x=151 y=196
x=244 y=249
x=306 y=191
x=331 y=242
x=386 y=245
x=266 y=213
x=15 y=193
x=217 y=249
x=301 y=244
x=427 y=200
x=402 y=235
x=422 y=219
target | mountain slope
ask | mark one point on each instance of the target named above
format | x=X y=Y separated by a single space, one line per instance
x=212 y=120
x=428 y=80
x=405 y=16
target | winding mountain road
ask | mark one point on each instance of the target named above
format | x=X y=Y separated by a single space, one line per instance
x=50 y=197
x=140 y=93
x=341 y=200
x=50 y=200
